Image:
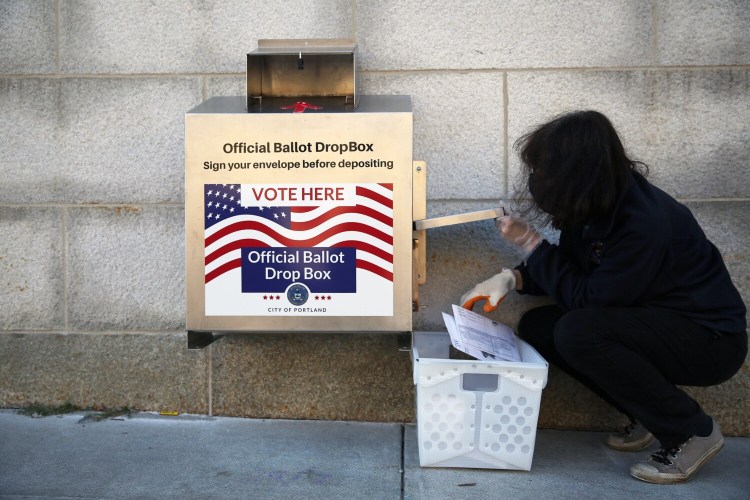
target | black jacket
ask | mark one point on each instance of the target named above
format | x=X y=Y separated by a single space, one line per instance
x=651 y=252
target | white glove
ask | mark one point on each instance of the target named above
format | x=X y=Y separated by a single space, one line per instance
x=519 y=233
x=492 y=290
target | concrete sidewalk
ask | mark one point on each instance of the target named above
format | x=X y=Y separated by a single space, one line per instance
x=151 y=456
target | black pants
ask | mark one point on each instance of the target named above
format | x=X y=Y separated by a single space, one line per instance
x=634 y=358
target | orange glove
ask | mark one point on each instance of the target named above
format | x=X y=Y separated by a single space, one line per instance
x=493 y=291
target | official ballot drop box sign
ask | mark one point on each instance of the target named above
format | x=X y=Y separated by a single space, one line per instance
x=299 y=215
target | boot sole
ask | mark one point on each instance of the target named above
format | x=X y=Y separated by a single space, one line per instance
x=657 y=478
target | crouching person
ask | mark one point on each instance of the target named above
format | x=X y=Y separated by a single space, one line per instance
x=644 y=302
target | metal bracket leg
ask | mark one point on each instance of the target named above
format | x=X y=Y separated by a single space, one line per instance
x=199 y=340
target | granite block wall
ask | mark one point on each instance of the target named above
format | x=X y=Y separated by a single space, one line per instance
x=92 y=99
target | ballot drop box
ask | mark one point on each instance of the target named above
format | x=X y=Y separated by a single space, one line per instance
x=298 y=199
x=472 y=413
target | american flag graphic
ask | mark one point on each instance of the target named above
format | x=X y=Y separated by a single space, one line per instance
x=366 y=226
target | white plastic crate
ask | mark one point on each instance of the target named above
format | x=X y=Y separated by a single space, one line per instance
x=476 y=414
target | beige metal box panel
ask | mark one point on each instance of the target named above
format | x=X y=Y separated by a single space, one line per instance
x=298 y=215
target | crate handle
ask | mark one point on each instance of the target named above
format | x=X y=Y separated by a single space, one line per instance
x=480 y=382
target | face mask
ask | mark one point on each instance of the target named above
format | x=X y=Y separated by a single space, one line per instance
x=532 y=186
x=537 y=191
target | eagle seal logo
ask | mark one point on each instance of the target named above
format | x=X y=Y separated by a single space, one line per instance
x=297 y=294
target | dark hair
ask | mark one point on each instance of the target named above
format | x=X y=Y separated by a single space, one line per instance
x=574 y=168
